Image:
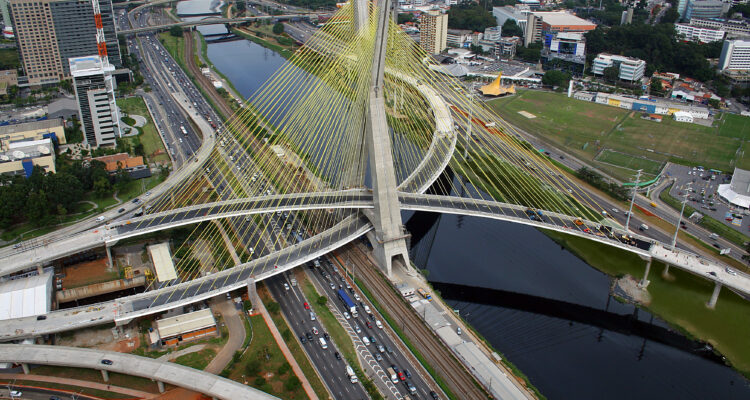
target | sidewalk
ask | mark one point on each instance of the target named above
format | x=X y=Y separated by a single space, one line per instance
x=258 y=304
x=79 y=383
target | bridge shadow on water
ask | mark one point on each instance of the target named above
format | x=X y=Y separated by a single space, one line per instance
x=626 y=324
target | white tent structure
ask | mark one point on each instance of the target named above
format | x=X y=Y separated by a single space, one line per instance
x=737 y=192
x=26 y=296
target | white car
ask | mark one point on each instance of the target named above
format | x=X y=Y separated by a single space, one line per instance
x=346 y=315
x=100 y=218
x=286 y=286
x=731 y=271
x=379 y=324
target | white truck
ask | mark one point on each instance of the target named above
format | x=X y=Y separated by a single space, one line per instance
x=352 y=376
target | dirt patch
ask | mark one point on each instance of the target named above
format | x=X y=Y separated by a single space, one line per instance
x=87 y=273
x=627 y=287
x=103 y=338
x=527 y=114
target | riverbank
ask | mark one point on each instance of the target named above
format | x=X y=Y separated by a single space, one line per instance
x=678 y=298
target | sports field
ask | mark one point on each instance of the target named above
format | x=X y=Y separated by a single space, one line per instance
x=617 y=137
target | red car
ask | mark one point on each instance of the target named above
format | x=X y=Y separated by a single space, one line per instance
x=401 y=376
x=369 y=325
x=307 y=306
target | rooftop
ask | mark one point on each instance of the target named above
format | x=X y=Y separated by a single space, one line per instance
x=85 y=66
x=184 y=323
x=562 y=18
x=31 y=126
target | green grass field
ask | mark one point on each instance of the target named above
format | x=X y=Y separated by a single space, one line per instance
x=587 y=129
x=648 y=166
x=9 y=59
x=150 y=137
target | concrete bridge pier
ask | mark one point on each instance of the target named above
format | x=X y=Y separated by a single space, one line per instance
x=160 y=385
x=714 y=296
x=665 y=273
x=25 y=368
x=252 y=291
x=105 y=375
x=110 y=265
x=644 y=282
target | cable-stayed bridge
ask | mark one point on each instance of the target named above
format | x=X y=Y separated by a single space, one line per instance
x=352 y=130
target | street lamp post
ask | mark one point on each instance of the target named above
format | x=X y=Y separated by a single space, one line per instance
x=679 y=221
x=632 y=200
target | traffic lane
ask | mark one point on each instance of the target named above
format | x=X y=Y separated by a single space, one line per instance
x=291 y=302
x=382 y=338
x=33 y=393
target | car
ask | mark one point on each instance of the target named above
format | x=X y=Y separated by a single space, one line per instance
x=325 y=335
x=379 y=324
x=357 y=329
x=381 y=348
x=372 y=339
x=121 y=210
x=337 y=355
x=41 y=317
x=148 y=194
x=401 y=376
x=356 y=297
x=54 y=398
x=346 y=315
x=365 y=340
x=410 y=387
x=106 y=362
x=136 y=200
x=15 y=393
x=302 y=339
x=716 y=245
x=433 y=395
x=18 y=245
x=712 y=273
x=458 y=331
x=98 y=219
x=308 y=335
x=307 y=306
x=286 y=286
x=407 y=373
x=315 y=330
x=333 y=286
x=731 y=271
x=378 y=357
x=369 y=324
x=395 y=368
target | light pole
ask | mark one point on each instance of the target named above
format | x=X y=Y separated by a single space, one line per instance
x=632 y=200
x=679 y=221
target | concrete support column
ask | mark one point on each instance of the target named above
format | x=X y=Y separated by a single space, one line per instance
x=714 y=296
x=39 y=269
x=110 y=265
x=105 y=375
x=25 y=368
x=665 y=273
x=252 y=291
x=644 y=282
x=160 y=384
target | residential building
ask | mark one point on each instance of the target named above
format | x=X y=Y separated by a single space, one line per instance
x=49 y=32
x=458 y=37
x=94 y=88
x=681 y=7
x=735 y=55
x=433 y=32
x=493 y=33
x=506 y=47
x=630 y=69
x=565 y=51
x=696 y=34
x=518 y=13
x=52 y=129
x=541 y=24
x=705 y=9
x=627 y=16
x=7 y=24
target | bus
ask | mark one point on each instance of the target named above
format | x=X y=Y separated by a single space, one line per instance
x=424 y=294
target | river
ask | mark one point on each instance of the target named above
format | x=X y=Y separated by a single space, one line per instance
x=563 y=358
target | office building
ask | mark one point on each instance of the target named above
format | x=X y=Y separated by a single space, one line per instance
x=681 y=7
x=735 y=55
x=52 y=129
x=458 y=37
x=493 y=33
x=696 y=34
x=518 y=14
x=630 y=69
x=506 y=47
x=705 y=9
x=433 y=32
x=94 y=88
x=543 y=24
x=26 y=145
x=7 y=25
x=49 y=32
x=565 y=51
x=733 y=28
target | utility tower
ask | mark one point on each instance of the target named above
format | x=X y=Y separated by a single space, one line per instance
x=389 y=242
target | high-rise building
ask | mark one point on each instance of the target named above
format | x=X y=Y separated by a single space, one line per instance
x=630 y=69
x=705 y=9
x=7 y=25
x=735 y=55
x=566 y=51
x=543 y=25
x=433 y=32
x=49 y=32
x=94 y=88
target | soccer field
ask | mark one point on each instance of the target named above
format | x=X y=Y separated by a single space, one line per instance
x=619 y=137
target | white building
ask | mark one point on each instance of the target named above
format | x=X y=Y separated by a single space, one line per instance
x=696 y=34
x=518 y=13
x=733 y=28
x=735 y=55
x=493 y=34
x=737 y=192
x=26 y=296
x=631 y=69
x=683 y=116
x=97 y=110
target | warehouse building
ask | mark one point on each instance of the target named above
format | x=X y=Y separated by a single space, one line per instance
x=183 y=328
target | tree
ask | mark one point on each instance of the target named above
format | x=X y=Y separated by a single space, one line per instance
x=715 y=103
x=292 y=383
x=511 y=28
x=175 y=31
x=273 y=307
x=322 y=300
x=656 y=86
x=555 y=78
x=406 y=17
x=240 y=6
x=252 y=367
x=102 y=187
x=530 y=54
x=471 y=16
x=611 y=74
x=278 y=28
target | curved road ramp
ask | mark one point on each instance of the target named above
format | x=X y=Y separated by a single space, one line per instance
x=159 y=371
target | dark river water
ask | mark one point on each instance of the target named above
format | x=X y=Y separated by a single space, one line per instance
x=566 y=358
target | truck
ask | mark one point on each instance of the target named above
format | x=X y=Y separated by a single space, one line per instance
x=352 y=376
x=347 y=302
x=424 y=294
x=392 y=375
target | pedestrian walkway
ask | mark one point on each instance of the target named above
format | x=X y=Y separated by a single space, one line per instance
x=258 y=303
x=79 y=383
x=179 y=353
